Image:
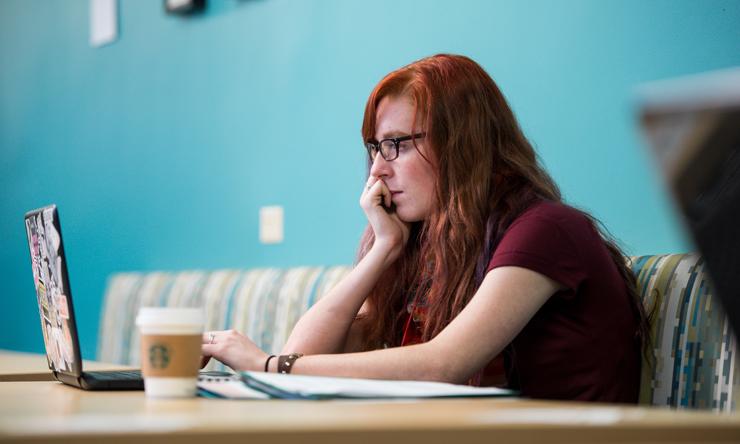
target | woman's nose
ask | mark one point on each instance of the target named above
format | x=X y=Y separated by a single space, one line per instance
x=381 y=167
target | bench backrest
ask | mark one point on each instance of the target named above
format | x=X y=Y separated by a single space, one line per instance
x=263 y=303
x=695 y=351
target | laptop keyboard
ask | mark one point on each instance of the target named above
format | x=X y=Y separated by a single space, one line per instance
x=116 y=375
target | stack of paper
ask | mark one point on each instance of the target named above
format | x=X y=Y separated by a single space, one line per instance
x=258 y=385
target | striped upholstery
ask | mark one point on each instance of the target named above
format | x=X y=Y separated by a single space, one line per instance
x=695 y=366
x=696 y=363
x=264 y=304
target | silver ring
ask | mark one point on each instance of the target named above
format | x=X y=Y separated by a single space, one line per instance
x=212 y=338
x=367 y=188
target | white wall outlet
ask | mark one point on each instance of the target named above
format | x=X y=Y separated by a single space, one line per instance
x=271 y=224
x=103 y=22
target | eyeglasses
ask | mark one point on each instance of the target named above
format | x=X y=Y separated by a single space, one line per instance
x=388 y=148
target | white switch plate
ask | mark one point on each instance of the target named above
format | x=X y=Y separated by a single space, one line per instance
x=103 y=22
x=271 y=224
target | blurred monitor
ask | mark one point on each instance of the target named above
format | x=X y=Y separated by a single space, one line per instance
x=693 y=126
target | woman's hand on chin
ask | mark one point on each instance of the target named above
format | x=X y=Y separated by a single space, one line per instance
x=233 y=349
x=391 y=233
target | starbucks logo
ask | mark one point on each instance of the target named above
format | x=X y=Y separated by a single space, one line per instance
x=159 y=356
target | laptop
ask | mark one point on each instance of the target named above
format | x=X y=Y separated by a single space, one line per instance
x=693 y=126
x=56 y=311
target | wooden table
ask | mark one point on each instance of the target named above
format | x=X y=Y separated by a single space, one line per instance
x=38 y=410
x=32 y=412
x=20 y=366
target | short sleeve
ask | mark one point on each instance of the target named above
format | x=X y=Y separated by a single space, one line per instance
x=540 y=240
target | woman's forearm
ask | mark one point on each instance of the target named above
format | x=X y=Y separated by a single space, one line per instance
x=323 y=328
x=419 y=362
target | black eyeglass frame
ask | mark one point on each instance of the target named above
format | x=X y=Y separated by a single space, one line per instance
x=371 y=146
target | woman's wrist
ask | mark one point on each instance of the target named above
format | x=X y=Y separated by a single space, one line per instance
x=386 y=252
x=258 y=364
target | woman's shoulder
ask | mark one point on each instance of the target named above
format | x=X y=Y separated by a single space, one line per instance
x=548 y=238
x=547 y=223
x=554 y=212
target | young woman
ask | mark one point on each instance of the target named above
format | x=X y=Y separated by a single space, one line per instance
x=469 y=254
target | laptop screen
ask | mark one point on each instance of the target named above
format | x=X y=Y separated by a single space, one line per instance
x=52 y=290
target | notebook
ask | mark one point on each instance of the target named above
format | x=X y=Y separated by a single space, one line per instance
x=258 y=385
x=56 y=311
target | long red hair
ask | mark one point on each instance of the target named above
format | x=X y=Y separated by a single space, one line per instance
x=487 y=174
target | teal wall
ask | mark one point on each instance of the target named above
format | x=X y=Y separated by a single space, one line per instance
x=160 y=148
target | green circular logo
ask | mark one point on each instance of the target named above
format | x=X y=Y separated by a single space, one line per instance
x=159 y=356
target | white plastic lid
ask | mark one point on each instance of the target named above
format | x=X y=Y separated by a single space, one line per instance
x=170 y=316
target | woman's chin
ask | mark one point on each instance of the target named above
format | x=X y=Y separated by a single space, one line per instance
x=407 y=216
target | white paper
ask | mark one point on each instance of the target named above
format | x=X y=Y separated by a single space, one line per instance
x=103 y=22
x=321 y=386
x=231 y=389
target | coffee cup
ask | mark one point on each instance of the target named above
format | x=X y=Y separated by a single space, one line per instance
x=171 y=341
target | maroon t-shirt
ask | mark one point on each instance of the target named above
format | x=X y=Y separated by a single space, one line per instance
x=581 y=344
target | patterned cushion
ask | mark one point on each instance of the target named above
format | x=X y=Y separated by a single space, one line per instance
x=695 y=365
x=695 y=351
x=264 y=304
